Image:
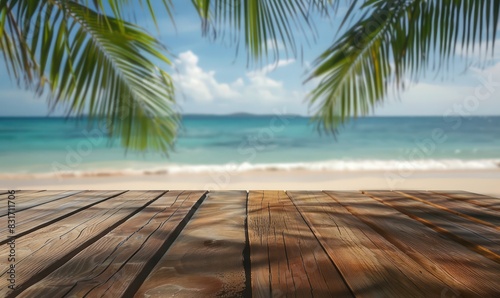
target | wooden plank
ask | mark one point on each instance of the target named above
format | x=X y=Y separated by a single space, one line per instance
x=478 y=214
x=28 y=195
x=41 y=252
x=473 y=198
x=41 y=197
x=29 y=220
x=29 y=199
x=286 y=258
x=115 y=261
x=476 y=237
x=24 y=192
x=258 y=228
x=370 y=265
x=464 y=273
x=206 y=260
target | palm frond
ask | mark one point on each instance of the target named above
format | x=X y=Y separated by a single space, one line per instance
x=94 y=64
x=17 y=55
x=120 y=8
x=266 y=25
x=393 y=42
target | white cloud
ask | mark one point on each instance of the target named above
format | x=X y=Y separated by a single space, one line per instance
x=479 y=96
x=259 y=92
x=198 y=84
x=271 y=67
x=202 y=86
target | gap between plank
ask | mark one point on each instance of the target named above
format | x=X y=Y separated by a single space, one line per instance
x=247 y=264
x=469 y=245
x=321 y=244
x=43 y=225
x=471 y=201
x=26 y=208
x=380 y=231
x=151 y=263
x=63 y=259
x=444 y=208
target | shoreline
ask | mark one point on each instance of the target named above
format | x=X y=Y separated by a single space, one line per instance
x=334 y=166
x=478 y=181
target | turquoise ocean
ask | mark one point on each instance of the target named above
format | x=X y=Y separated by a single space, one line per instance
x=59 y=146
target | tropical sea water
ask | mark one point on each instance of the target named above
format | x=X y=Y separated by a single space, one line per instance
x=55 y=146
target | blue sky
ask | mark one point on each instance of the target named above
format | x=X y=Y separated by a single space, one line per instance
x=211 y=77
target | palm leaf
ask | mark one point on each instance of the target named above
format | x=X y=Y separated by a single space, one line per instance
x=120 y=8
x=390 y=43
x=266 y=25
x=16 y=53
x=95 y=64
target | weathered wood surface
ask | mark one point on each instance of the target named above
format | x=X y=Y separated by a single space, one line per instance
x=24 y=192
x=477 y=199
x=29 y=199
x=206 y=260
x=479 y=214
x=449 y=261
x=42 y=215
x=112 y=263
x=260 y=243
x=480 y=238
x=40 y=252
x=368 y=262
x=286 y=258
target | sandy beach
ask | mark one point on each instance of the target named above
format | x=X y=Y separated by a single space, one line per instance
x=479 y=181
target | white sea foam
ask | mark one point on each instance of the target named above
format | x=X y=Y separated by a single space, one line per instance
x=332 y=165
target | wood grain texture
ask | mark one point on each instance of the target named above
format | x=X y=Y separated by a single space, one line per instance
x=477 y=214
x=473 y=198
x=28 y=199
x=258 y=229
x=468 y=274
x=206 y=260
x=24 y=192
x=476 y=237
x=39 y=196
x=29 y=220
x=110 y=265
x=286 y=258
x=263 y=244
x=41 y=252
x=367 y=261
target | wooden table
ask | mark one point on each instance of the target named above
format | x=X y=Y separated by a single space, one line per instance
x=257 y=243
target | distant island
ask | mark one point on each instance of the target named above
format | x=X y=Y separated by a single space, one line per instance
x=240 y=114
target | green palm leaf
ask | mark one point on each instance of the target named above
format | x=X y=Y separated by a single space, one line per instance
x=93 y=63
x=392 y=42
x=264 y=24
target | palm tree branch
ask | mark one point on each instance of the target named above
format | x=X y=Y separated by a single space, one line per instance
x=346 y=68
x=393 y=49
x=97 y=64
x=262 y=23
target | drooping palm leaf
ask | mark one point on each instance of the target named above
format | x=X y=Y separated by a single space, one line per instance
x=120 y=8
x=395 y=41
x=92 y=63
x=266 y=25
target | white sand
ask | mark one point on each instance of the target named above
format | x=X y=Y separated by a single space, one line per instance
x=479 y=181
